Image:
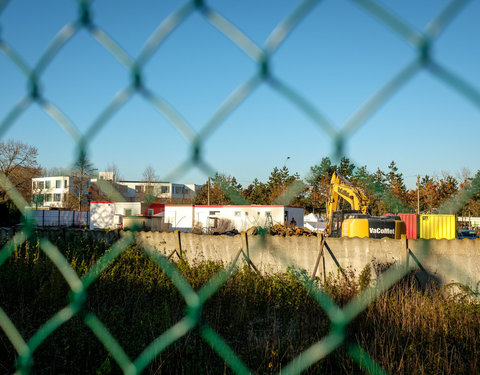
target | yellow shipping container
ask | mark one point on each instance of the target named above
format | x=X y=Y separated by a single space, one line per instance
x=437 y=227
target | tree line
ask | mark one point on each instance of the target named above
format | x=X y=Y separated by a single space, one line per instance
x=386 y=190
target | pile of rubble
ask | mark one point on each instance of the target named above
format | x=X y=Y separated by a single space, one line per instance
x=281 y=230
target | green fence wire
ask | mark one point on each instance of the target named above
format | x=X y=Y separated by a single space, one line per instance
x=420 y=41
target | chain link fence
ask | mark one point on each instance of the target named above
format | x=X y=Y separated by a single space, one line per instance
x=420 y=41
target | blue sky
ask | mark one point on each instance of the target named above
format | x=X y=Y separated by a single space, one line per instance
x=337 y=57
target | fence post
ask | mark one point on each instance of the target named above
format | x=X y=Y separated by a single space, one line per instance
x=179 y=242
x=407 y=250
x=245 y=244
x=324 y=272
x=320 y=242
x=246 y=252
x=58 y=222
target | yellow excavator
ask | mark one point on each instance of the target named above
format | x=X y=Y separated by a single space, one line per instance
x=357 y=221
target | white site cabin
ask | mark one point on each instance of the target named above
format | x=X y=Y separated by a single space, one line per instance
x=241 y=218
x=105 y=215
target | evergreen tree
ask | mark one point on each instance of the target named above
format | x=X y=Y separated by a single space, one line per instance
x=395 y=184
x=257 y=193
x=278 y=183
x=318 y=184
x=223 y=190
x=346 y=167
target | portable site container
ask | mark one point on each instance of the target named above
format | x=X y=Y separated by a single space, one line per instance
x=153 y=209
x=186 y=217
x=128 y=208
x=102 y=215
x=411 y=221
x=437 y=227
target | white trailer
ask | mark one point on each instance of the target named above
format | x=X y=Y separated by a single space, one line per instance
x=241 y=218
x=128 y=208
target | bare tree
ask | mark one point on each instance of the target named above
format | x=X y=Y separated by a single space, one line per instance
x=112 y=189
x=149 y=177
x=18 y=162
x=55 y=171
x=82 y=171
x=112 y=167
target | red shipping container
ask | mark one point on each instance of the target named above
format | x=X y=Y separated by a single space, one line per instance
x=153 y=209
x=411 y=221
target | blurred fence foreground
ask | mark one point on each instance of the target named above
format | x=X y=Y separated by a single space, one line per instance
x=340 y=318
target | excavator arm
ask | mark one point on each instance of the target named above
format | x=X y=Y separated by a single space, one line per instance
x=340 y=187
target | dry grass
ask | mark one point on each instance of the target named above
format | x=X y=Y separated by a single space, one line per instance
x=266 y=320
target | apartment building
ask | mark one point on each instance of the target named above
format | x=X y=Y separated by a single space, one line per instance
x=51 y=192
x=135 y=190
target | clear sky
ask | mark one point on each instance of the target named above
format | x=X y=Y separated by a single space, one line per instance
x=337 y=57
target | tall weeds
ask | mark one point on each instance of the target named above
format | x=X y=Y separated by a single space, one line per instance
x=266 y=320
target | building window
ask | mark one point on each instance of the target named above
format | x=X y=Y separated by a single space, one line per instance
x=58 y=184
x=164 y=189
x=57 y=197
x=48 y=197
x=65 y=184
x=34 y=185
x=47 y=184
x=150 y=212
x=138 y=188
x=238 y=213
x=214 y=213
x=128 y=212
x=178 y=190
x=40 y=184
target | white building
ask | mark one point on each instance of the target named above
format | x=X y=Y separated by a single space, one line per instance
x=134 y=190
x=241 y=218
x=51 y=191
x=203 y=218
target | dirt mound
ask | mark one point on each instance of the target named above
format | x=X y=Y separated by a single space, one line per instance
x=280 y=230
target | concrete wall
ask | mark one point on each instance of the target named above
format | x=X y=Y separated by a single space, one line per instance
x=446 y=261
x=450 y=260
x=278 y=253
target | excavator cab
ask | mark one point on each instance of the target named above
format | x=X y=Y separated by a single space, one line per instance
x=337 y=219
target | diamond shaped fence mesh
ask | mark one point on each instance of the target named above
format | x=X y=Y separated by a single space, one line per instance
x=421 y=43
